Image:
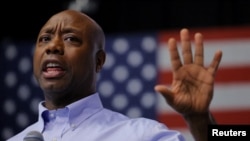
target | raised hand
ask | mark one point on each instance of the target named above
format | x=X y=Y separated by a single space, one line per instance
x=192 y=86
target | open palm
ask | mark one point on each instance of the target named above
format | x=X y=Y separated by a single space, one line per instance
x=192 y=86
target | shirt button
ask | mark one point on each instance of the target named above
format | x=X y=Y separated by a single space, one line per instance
x=54 y=139
x=52 y=115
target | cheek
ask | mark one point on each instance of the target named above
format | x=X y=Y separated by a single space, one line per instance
x=36 y=62
x=83 y=64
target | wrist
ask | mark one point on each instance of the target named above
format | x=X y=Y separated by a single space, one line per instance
x=195 y=117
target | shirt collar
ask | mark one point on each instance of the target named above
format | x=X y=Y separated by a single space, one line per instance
x=78 y=111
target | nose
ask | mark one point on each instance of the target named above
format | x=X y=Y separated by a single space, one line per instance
x=55 y=48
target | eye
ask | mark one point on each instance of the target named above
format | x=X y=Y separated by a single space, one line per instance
x=44 y=38
x=71 y=39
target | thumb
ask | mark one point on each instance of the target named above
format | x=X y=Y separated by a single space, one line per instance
x=165 y=92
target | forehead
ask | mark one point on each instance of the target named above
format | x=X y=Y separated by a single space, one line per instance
x=68 y=19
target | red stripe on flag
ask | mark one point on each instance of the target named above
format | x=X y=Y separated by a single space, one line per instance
x=233 y=117
x=172 y=120
x=236 y=74
x=221 y=117
x=224 y=75
x=214 y=33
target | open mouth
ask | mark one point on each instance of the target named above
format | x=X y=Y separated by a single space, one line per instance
x=52 y=69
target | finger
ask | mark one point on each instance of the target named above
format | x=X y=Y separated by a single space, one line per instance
x=213 y=67
x=186 y=46
x=165 y=92
x=199 y=55
x=174 y=54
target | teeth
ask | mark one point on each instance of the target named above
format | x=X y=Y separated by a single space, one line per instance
x=52 y=65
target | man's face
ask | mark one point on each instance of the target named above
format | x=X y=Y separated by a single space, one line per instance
x=64 y=57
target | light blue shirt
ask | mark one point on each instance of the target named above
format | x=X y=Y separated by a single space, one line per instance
x=88 y=120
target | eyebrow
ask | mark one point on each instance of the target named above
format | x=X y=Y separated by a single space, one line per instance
x=64 y=30
x=70 y=30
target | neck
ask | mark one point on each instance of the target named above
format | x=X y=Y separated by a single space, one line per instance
x=60 y=102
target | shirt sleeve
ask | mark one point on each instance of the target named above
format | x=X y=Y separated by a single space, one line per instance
x=156 y=131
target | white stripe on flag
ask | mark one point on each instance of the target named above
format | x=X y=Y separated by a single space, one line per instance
x=235 y=53
x=226 y=97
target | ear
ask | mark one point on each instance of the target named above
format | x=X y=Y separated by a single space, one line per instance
x=100 y=59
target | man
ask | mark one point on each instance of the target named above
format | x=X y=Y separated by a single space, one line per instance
x=68 y=55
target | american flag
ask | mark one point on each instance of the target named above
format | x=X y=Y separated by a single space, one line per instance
x=135 y=63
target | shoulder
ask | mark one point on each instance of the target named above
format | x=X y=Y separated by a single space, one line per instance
x=155 y=130
x=19 y=136
x=144 y=128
